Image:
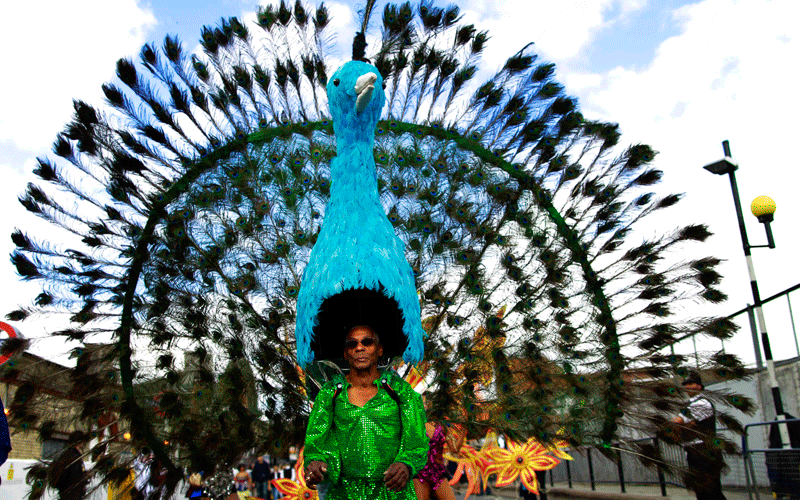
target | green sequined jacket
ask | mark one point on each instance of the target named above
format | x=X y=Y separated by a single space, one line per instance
x=360 y=443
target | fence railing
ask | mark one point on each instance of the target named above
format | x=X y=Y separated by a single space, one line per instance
x=589 y=465
x=782 y=465
x=779 y=470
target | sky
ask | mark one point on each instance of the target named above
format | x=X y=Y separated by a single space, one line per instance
x=681 y=76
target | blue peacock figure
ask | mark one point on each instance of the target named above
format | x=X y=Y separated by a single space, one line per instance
x=357 y=271
x=489 y=223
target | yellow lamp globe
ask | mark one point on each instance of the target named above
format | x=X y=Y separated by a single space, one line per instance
x=763 y=207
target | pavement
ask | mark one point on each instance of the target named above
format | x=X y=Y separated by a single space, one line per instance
x=561 y=491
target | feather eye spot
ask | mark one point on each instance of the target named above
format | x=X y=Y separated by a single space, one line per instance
x=393 y=124
x=380 y=131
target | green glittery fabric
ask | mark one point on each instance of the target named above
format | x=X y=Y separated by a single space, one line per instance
x=360 y=443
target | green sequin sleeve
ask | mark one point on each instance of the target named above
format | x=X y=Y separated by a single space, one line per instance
x=320 y=441
x=414 y=442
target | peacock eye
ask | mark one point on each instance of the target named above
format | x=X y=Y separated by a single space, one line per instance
x=336 y=82
x=383 y=84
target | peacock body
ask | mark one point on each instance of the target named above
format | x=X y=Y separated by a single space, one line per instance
x=356 y=247
x=193 y=207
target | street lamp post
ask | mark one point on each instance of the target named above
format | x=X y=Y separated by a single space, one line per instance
x=764 y=213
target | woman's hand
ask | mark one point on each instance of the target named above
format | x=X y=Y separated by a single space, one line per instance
x=396 y=476
x=315 y=473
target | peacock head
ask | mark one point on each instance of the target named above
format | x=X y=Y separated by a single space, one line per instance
x=355 y=98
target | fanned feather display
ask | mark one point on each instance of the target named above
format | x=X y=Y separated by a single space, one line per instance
x=189 y=206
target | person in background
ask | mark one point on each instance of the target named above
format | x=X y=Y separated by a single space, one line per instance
x=5 y=438
x=67 y=473
x=197 y=489
x=432 y=480
x=704 y=461
x=260 y=475
x=141 y=467
x=277 y=473
x=243 y=482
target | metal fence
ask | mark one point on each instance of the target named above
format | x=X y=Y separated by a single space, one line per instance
x=590 y=466
x=779 y=309
x=756 y=469
x=780 y=466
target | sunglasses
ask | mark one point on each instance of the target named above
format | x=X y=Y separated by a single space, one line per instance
x=366 y=342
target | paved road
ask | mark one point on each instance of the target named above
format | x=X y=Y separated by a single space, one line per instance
x=610 y=491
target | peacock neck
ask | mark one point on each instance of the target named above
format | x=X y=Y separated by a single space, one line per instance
x=353 y=176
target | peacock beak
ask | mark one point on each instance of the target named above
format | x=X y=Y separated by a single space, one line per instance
x=364 y=88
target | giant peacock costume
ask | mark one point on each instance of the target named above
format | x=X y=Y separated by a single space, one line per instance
x=191 y=204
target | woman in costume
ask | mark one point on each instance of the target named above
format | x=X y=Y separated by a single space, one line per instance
x=431 y=481
x=366 y=432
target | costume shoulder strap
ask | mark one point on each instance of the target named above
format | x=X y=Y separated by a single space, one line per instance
x=336 y=392
x=389 y=390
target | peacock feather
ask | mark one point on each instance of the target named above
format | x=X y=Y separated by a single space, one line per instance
x=188 y=214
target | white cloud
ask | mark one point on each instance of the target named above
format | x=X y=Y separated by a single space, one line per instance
x=560 y=29
x=56 y=51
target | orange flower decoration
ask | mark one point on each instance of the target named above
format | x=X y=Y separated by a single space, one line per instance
x=519 y=461
x=471 y=463
x=296 y=490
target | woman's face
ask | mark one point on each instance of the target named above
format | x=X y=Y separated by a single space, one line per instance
x=362 y=348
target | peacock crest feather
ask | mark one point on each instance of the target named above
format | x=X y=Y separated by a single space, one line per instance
x=188 y=208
